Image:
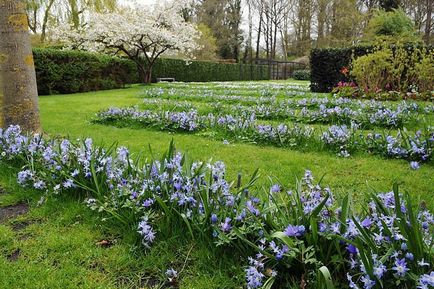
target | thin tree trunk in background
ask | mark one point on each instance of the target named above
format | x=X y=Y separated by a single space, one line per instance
x=258 y=40
x=45 y=20
x=428 y=23
x=250 y=40
x=75 y=13
x=322 y=18
x=18 y=90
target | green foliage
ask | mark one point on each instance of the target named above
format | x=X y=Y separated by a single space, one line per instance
x=330 y=66
x=391 y=26
x=207 y=42
x=303 y=74
x=425 y=72
x=326 y=65
x=59 y=71
x=203 y=71
x=372 y=71
x=399 y=68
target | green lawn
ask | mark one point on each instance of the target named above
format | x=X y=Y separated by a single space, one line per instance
x=70 y=115
x=57 y=246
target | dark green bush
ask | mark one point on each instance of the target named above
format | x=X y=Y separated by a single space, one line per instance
x=59 y=71
x=302 y=74
x=326 y=66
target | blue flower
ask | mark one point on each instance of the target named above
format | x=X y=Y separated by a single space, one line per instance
x=146 y=231
x=295 y=231
x=367 y=222
x=414 y=165
x=400 y=267
x=226 y=226
x=426 y=281
x=171 y=273
x=379 y=270
x=214 y=218
x=367 y=282
x=352 y=249
x=275 y=188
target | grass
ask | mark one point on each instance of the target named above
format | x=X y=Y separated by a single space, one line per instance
x=70 y=115
x=58 y=246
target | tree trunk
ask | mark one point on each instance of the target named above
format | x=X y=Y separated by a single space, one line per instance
x=428 y=23
x=45 y=20
x=148 y=75
x=258 y=40
x=18 y=90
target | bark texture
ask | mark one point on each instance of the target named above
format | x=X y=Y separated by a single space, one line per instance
x=18 y=90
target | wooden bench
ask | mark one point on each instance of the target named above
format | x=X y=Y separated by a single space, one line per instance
x=166 y=79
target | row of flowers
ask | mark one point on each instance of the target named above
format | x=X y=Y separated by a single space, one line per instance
x=342 y=139
x=267 y=96
x=369 y=114
x=300 y=238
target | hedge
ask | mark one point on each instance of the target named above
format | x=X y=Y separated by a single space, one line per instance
x=202 y=71
x=326 y=65
x=61 y=71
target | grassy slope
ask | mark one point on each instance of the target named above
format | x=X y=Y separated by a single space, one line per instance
x=58 y=249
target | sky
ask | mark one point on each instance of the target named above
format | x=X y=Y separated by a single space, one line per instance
x=150 y=2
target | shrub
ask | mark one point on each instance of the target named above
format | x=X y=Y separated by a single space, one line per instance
x=373 y=71
x=301 y=74
x=329 y=66
x=59 y=71
x=326 y=66
x=425 y=72
x=401 y=68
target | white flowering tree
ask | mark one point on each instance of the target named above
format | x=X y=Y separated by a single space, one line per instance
x=142 y=33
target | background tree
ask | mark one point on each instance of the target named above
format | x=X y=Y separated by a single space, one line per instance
x=18 y=91
x=140 y=33
x=392 y=26
x=223 y=17
x=43 y=14
x=207 y=44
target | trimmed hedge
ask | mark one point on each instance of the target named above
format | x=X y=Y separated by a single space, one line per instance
x=326 y=65
x=202 y=71
x=61 y=71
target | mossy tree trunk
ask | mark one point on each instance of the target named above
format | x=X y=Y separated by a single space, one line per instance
x=18 y=90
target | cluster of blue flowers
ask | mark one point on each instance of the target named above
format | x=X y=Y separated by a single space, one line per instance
x=172 y=120
x=289 y=229
x=314 y=110
x=244 y=126
x=390 y=246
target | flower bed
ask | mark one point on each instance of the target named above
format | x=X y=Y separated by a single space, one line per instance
x=341 y=139
x=300 y=236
